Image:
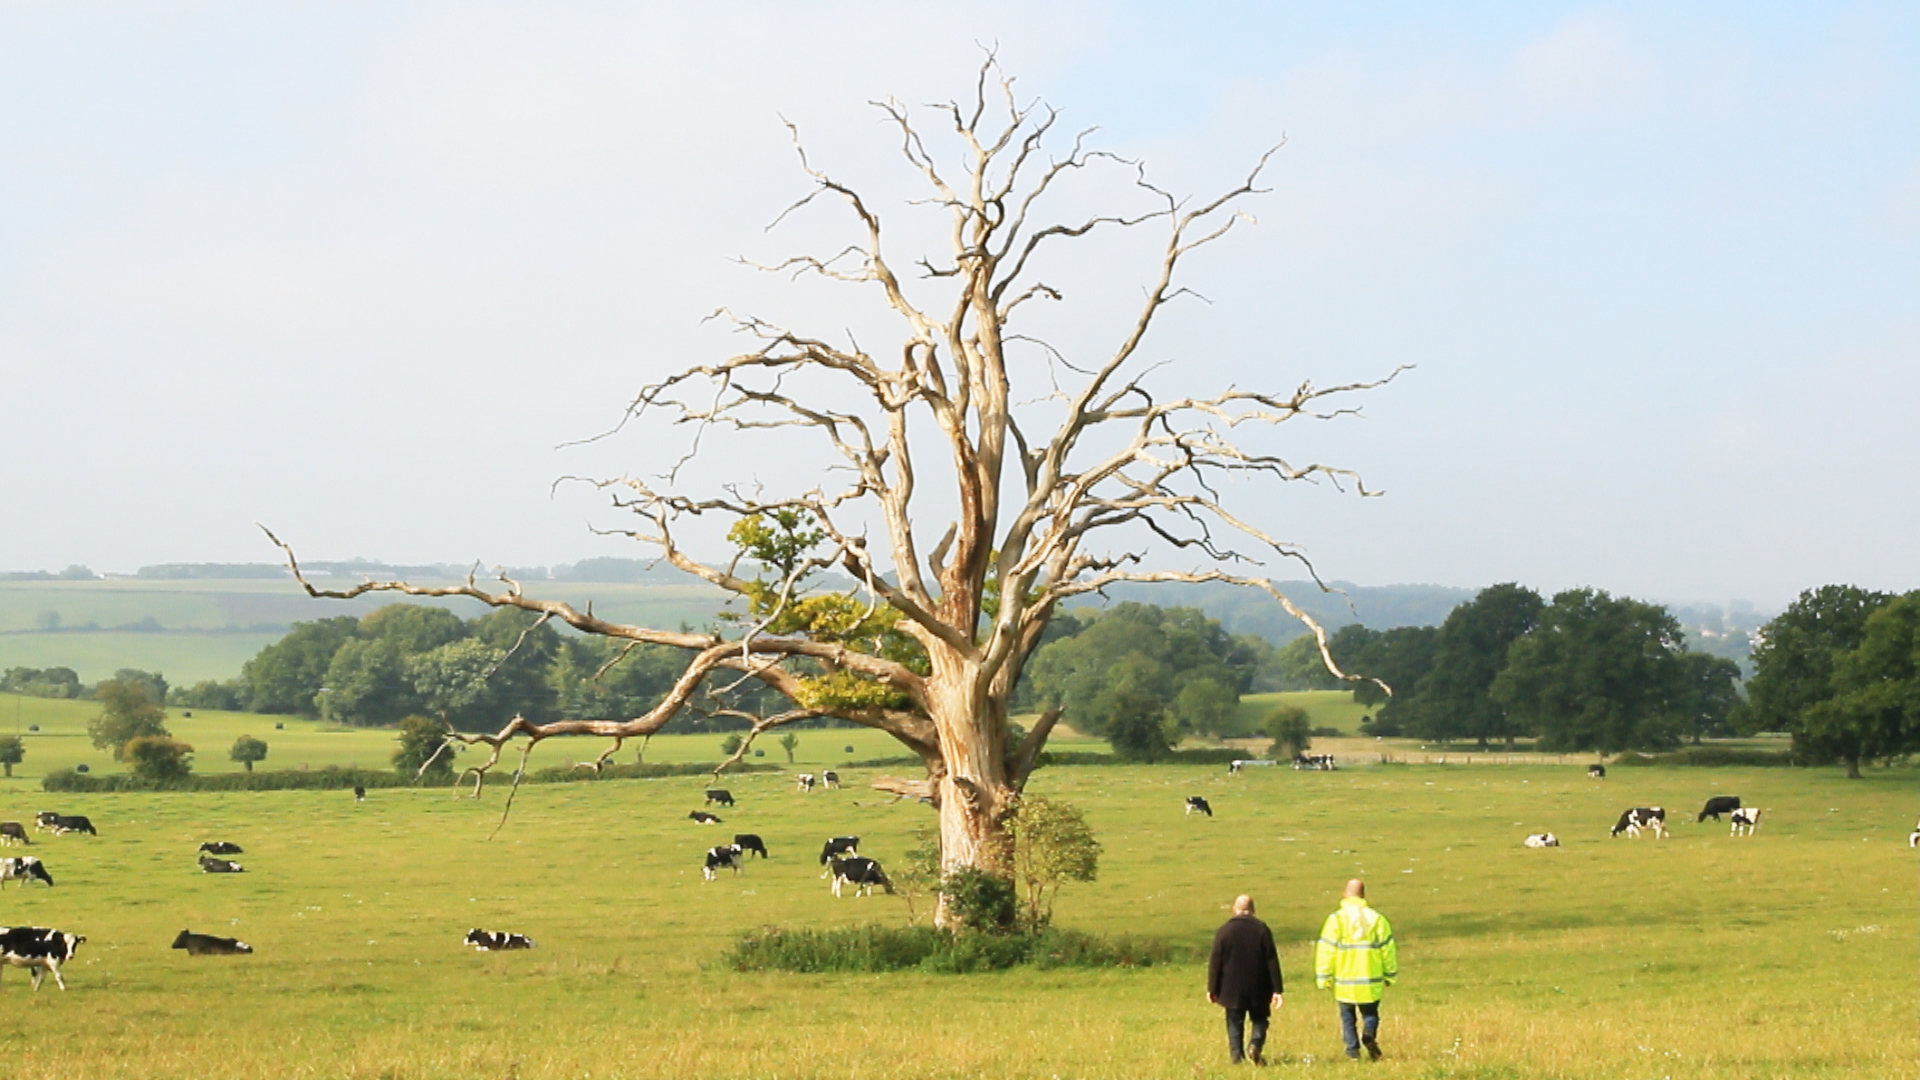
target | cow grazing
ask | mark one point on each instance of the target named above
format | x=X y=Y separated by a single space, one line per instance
x=63 y=823
x=747 y=841
x=1320 y=762
x=805 y=780
x=704 y=818
x=1198 y=805
x=23 y=869
x=1719 y=804
x=359 y=793
x=1598 y=772
x=837 y=846
x=722 y=858
x=1541 y=840
x=1632 y=821
x=220 y=847
x=862 y=874
x=39 y=949
x=1913 y=840
x=1745 y=820
x=830 y=778
x=211 y=865
x=11 y=831
x=497 y=940
x=208 y=945
x=719 y=795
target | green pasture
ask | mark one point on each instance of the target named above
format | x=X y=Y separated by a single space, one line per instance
x=1325 y=708
x=206 y=629
x=62 y=742
x=1789 y=954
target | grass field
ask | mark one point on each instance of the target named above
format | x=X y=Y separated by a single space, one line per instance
x=1790 y=954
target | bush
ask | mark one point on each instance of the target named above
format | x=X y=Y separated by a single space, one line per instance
x=159 y=759
x=1717 y=756
x=423 y=743
x=873 y=949
x=981 y=900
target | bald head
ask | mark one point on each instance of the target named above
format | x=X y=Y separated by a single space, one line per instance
x=1243 y=905
x=1357 y=889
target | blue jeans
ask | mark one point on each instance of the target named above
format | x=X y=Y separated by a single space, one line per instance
x=1236 y=1018
x=1369 y=1023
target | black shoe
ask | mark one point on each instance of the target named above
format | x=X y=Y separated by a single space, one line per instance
x=1257 y=1057
x=1373 y=1048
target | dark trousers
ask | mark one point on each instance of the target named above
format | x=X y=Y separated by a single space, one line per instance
x=1369 y=1023
x=1236 y=1020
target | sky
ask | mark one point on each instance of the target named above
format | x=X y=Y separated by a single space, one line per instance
x=368 y=274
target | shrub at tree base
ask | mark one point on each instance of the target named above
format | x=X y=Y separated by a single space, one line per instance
x=924 y=948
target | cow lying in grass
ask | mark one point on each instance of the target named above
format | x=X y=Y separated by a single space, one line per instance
x=208 y=945
x=1541 y=840
x=220 y=847
x=497 y=941
x=211 y=865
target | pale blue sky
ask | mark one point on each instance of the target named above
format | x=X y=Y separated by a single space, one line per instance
x=355 y=270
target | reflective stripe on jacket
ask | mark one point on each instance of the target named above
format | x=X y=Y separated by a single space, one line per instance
x=1356 y=954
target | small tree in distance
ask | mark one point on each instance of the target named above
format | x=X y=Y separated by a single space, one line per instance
x=1290 y=729
x=128 y=713
x=732 y=743
x=156 y=757
x=247 y=750
x=789 y=742
x=423 y=750
x=12 y=750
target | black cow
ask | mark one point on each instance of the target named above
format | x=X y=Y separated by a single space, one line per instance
x=208 y=945
x=719 y=795
x=23 y=869
x=839 y=845
x=704 y=818
x=721 y=858
x=359 y=793
x=221 y=847
x=497 y=940
x=862 y=874
x=211 y=865
x=1598 y=772
x=1198 y=805
x=1719 y=804
x=38 y=948
x=11 y=831
x=830 y=778
x=1641 y=817
x=747 y=841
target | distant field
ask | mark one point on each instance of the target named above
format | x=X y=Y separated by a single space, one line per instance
x=1701 y=956
x=194 y=630
x=1325 y=708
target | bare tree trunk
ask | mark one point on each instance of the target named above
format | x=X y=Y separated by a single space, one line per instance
x=1853 y=766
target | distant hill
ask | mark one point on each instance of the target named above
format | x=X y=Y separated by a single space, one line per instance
x=1250 y=611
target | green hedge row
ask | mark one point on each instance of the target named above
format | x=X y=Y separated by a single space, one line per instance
x=884 y=948
x=333 y=778
x=1715 y=756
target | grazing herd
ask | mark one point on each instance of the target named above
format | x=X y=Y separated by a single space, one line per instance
x=840 y=859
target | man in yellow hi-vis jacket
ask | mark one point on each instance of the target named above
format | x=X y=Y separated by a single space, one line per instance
x=1358 y=959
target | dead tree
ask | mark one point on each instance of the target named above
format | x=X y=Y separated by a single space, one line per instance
x=1064 y=474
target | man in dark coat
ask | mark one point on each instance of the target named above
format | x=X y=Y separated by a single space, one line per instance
x=1243 y=977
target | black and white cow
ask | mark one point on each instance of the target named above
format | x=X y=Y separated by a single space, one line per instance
x=1745 y=821
x=1321 y=762
x=704 y=818
x=63 y=823
x=1719 y=804
x=359 y=793
x=39 y=949
x=1914 y=839
x=719 y=795
x=1198 y=805
x=211 y=865
x=747 y=841
x=221 y=847
x=1541 y=840
x=805 y=780
x=208 y=945
x=830 y=778
x=23 y=869
x=722 y=858
x=497 y=940
x=862 y=874
x=1598 y=772
x=11 y=831
x=1641 y=817
x=838 y=846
